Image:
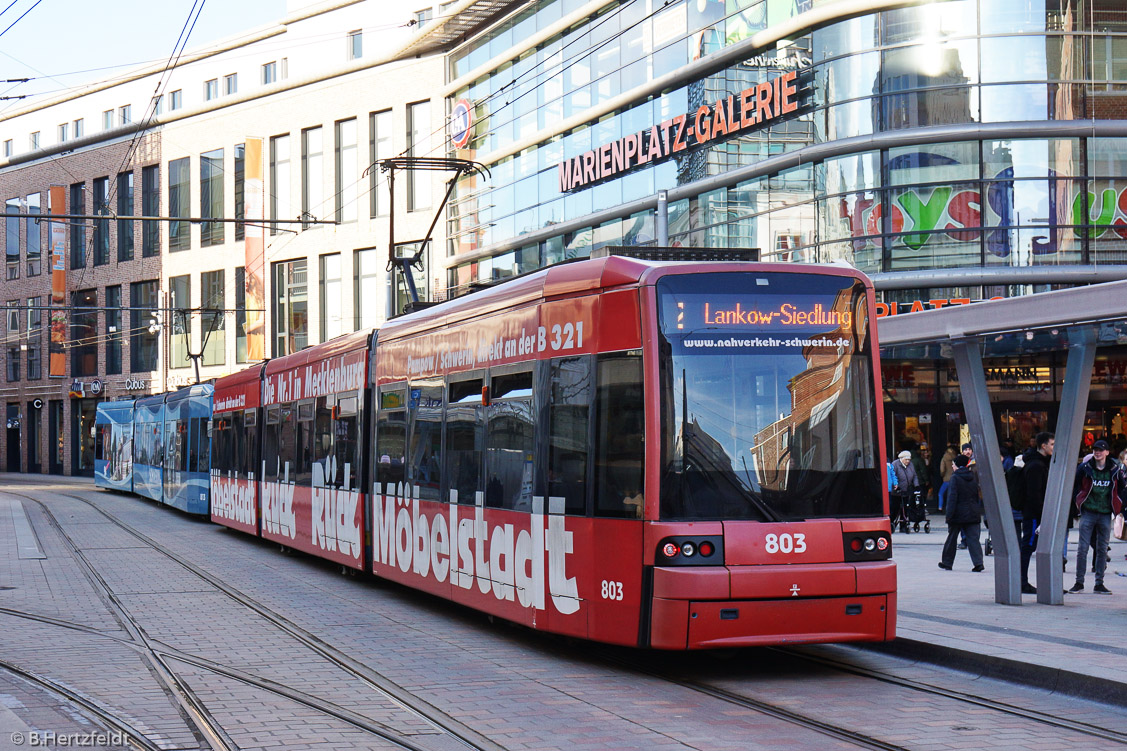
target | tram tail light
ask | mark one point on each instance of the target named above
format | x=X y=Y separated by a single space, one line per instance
x=691 y=551
x=867 y=546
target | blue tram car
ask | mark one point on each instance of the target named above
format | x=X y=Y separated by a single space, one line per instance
x=148 y=446
x=187 y=449
x=113 y=462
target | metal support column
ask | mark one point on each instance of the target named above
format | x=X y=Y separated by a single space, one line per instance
x=661 y=220
x=988 y=460
x=1062 y=468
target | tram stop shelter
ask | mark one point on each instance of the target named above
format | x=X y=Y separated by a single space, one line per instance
x=1075 y=321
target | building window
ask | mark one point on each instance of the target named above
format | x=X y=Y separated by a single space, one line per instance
x=355 y=45
x=113 y=330
x=107 y=119
x=125 y=114
x=144 y=337
x=347 y=171
x=231 y=84
x=150 y=206
x=13 y=322
x=379 y=148
x=101 y=226
x=332 y=301
x=211 y=198
x=269 y=73
x=78 y=226
x=213 y=319
x=240 y=314
x=12 y=237
x=279 y=179
x=423 y=16
x=125 y=208
x=79 y=127
x=14 y=362
x=64 y=129
x=158 y=105
x=312 y=176
x=180 y=323
x=285 y=68
x=8 y=147
x=418 y=144
x=179 y=233
x=240 y=189
x=291 y=306
x=177 y=99
x=366 y=297
x=34 y=337
x=84 y=333
x=210 y=89
x=33 y=237
x=33 y=140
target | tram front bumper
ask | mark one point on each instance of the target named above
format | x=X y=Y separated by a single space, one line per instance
x=709 y=607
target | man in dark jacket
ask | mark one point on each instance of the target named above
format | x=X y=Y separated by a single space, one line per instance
x=964 y=514
x=1036 y=476
x=1098 y=493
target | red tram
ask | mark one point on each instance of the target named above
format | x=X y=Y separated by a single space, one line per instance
x=666 y=455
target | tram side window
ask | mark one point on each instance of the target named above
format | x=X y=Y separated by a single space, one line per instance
x=102 y=441
x=569 y=406
x=424 y=466
x=223 y=437
x=465 y=437
x=619 y=436
x=336 y=430
x=281 y=443
x=246 y=442
x=391 y=437
x=346 y=440
x=303 y=457
x=509 y=442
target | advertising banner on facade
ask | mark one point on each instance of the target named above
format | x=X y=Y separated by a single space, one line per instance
x=57 y=361
x=255 y=268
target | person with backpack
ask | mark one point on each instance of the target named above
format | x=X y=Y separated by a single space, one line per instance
x=964 y=514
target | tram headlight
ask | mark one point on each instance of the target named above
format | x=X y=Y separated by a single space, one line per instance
x=882 y=543
x=670 y=550
x=870 y=545
x=706 y=548
x=688 y=549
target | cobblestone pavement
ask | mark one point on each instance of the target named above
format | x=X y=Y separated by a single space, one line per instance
x=111 y=618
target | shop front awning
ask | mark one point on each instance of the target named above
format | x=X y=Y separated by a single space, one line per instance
x=1074 y=321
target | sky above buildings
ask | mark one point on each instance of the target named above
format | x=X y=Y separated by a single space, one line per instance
x=62 y=44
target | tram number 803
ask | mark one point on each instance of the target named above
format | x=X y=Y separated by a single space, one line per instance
x=612 y=590
x=785 y=543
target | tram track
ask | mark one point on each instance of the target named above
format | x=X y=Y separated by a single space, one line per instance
x=162 y=653
x=960 y=696
x=808 y=722
x=86 y=706
x=860 y=739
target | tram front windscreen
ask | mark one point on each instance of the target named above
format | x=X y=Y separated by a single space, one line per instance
x=767 y=399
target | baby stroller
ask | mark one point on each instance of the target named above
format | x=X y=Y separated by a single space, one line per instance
x=914 y=512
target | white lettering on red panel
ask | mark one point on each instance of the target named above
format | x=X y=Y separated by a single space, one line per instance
x=326 y=377
x=528 y=565
x=232 y=498
x=278 y=516
x=232 y=401
x=335 y=521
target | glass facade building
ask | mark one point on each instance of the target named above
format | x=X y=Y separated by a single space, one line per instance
x=940 y=137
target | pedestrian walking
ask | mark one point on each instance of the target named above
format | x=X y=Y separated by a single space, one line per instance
x=946 y=469
x=1098 y=493
x=1036 y=476
x=964 y=514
